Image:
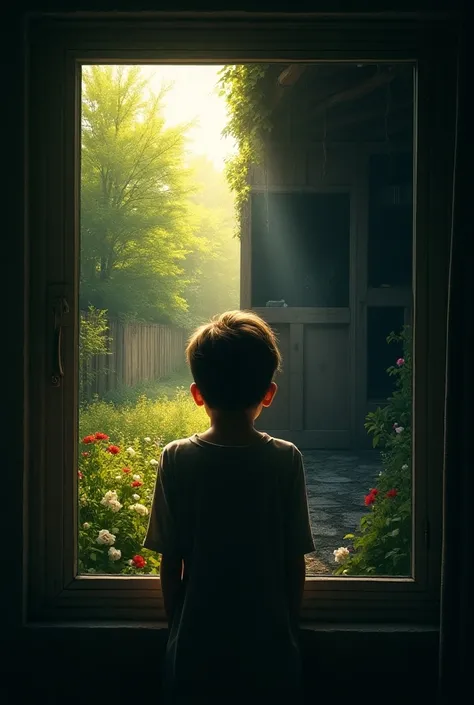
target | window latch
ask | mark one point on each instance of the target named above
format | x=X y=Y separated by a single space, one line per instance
x=60 y=309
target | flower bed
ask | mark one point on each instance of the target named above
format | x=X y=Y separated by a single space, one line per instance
x=116 y=482
x=382 y=544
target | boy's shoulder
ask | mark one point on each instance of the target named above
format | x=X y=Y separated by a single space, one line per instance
x=193 y=444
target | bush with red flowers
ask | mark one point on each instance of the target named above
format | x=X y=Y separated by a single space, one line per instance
x=113 y=511
x=382 y=544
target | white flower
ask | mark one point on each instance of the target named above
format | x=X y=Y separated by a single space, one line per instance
x=130 y=451
x=380 y=474
x=115 y=505
x=114 y=554
x=404 y=467
x=130 y=562
x=341 y=554
x=147 y=439
x=110 y=496
x=110 y=500
x=154 y=462
x=399 y=429
x=135 y=497
x=118 y=477
x=140 y=509
x=86 y=525
x=137 y=477
x=105 y=538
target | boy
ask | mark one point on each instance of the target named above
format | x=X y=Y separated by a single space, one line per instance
x=230 y=518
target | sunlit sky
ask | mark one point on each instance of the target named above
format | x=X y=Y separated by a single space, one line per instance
x=193 y=97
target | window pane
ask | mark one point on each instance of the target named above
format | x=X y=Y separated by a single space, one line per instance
x=300 y=248
x=321 y=171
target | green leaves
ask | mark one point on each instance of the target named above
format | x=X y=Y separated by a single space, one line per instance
x=383 y=540
x=243 y=87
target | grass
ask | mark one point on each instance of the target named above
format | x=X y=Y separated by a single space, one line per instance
x=164 y=411
x=153 y=390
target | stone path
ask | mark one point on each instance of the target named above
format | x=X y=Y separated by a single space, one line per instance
x=337 y=482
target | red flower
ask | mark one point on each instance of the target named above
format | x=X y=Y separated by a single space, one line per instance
x=392 y=493
x=85 y=454
x=126 y=470
x=101 y=437
x=400 y=362
x=138 y=561
x=136 y=483
x=80 y=475
x=371 y=497
x=113 y=449
x=88 y=439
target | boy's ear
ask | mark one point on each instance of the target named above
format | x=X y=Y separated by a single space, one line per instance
x=196 y=394
x=270 y=395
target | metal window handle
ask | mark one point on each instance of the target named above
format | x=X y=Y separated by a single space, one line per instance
x=60 y=308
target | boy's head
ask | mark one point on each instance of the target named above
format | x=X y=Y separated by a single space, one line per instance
x=233 y=360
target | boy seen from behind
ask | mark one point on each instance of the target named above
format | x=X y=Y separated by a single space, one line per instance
x=230 y=518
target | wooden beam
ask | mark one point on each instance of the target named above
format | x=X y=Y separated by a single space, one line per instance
x=379 y=79
x=291 y=75
x=285 y=82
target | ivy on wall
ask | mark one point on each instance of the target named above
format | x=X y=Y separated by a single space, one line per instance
x=243 y=88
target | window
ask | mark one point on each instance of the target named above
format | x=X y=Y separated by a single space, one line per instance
x=60 y=51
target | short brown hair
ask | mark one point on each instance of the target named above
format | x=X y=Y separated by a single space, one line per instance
x=237 y=347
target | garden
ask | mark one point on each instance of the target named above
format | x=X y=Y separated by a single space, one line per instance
x=119 y=456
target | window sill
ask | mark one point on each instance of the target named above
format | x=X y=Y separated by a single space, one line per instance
x=310 y=626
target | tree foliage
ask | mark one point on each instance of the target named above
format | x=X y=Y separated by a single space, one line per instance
x=213 y=268
x=135 y=225
x=243 y=88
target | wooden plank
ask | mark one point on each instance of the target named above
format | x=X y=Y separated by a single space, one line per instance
x=359 y=302
x=278 y=414
x=326 y=378
x=296 y=366
x=319 y=315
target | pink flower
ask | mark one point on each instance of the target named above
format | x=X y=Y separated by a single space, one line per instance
x=400 y=362
x=80 y=475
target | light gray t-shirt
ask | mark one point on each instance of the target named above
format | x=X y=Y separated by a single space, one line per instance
x=234 y=514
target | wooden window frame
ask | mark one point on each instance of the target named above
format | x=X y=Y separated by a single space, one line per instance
x=58 y=45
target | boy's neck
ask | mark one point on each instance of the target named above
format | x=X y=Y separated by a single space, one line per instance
x=231 y=428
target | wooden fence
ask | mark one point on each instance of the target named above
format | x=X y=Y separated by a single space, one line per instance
x=138 y=352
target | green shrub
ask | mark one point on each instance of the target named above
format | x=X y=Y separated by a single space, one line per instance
x=93 y=340
x=382 y=545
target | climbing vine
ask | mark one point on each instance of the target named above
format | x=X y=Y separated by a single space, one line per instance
x=243 y=88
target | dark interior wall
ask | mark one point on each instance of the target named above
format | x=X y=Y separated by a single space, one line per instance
x=50 y=666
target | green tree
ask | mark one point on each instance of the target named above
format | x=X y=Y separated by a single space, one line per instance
x=135 y=225
x=213 y=268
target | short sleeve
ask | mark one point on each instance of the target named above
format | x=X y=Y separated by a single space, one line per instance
x=161 y=533
x=299 y=540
